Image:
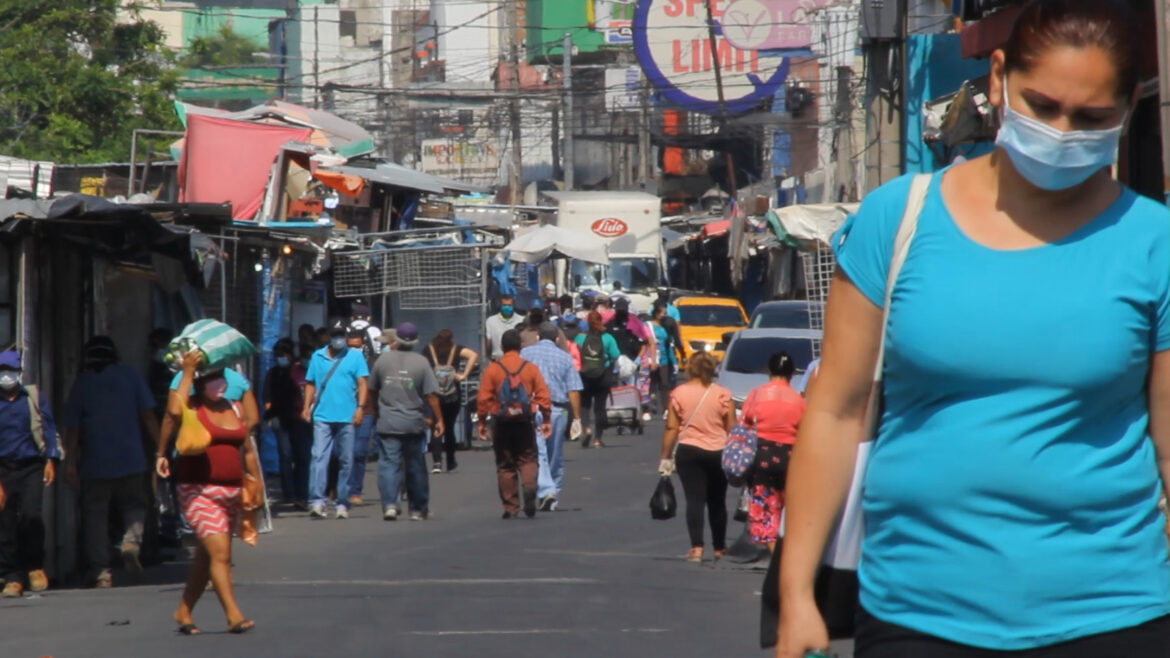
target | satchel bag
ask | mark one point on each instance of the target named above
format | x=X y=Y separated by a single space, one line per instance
x=193 y=436
x=836 y=586
x=740 y=451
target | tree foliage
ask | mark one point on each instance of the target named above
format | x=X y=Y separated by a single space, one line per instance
x=78 y=76
x=225 y=48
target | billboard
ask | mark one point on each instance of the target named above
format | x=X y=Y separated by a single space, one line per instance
x=460 y=159
x=672 y=43
x=623 y=88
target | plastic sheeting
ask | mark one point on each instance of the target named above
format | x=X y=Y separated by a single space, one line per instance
x=225 y=160
x=274 y=317
x=816 y=222
x=544 y=242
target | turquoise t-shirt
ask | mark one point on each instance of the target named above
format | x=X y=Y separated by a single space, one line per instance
x=337 y=399
x=238 y=384
x=1011 y=498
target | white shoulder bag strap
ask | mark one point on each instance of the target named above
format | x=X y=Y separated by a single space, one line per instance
x=844 y=549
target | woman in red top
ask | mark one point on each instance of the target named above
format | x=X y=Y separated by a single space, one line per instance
x=210 y=489
x=774 y=410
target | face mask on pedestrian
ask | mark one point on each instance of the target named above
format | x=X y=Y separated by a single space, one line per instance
x=338 y=343
x=214 y=389
x=1052 y=159
x=506 y=310
x=283 y=361
x=9 y=380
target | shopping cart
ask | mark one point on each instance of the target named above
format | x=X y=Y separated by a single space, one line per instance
x=624 y=409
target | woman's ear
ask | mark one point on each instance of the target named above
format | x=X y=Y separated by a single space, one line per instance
x=996 y=87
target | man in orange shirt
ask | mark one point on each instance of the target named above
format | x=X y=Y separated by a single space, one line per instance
x=514 y=396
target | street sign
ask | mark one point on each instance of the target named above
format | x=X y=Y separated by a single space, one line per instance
x=671 y=39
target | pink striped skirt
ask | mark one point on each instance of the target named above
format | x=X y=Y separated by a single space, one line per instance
x=210 y=508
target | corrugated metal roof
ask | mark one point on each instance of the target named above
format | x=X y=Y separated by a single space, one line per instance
x=19 y=173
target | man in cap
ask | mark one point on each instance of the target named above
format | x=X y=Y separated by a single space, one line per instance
x=550 y=295
x=28 y=454
x=564 y=387
x=406 y=386
x=109 y=413
x=335 y=395
x=497 y=324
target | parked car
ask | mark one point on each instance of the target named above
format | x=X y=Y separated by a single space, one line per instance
x=705 y=321
x=745 y=365
x=787 y=314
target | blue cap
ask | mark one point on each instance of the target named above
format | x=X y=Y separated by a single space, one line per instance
x=10 y=359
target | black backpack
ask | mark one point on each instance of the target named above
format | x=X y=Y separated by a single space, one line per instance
x=593 y=360
x=627 y=342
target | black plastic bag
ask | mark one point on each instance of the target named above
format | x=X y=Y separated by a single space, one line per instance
x=663 y=504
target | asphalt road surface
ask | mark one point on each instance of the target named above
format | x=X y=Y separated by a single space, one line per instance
x=596 y=578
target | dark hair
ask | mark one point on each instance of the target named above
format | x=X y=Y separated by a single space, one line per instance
x=566 y=302
x=617 y=285
x=659 y=307
x=1106 y=24
x=510 y=341
x=160 y=336
x=283 y=346
x=702 y=367
x=443 y=341
x=586 y=304
x=781 y=364
x=596 y=324
x=535 y=317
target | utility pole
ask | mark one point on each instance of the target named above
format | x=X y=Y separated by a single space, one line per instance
x=722 y=101
x=567 y=82
x=517 y=174
x=316 y=60
x=644 y=132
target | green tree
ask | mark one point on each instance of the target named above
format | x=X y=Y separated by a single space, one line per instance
x=225 y=48
x=78 y=76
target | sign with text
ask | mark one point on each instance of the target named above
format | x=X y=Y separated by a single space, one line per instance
x=671 y=39
x=460 y=159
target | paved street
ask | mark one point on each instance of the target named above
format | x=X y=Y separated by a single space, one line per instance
x=597 y=578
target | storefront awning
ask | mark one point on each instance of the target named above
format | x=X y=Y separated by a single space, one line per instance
x=396 y=175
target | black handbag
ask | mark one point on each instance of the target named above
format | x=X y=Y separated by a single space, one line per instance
x=663 y=504
x=835 y=591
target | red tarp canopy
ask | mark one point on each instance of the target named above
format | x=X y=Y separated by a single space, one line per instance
x=225 y=160
x=716 y=229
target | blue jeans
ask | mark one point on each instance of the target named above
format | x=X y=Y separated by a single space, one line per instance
x=393 y=450
x=294 y=441
x=330 y=439
x=361 y=450
x=551 y=479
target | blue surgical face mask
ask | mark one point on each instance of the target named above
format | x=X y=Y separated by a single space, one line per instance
x=283 y=361
x=9 y=380
x=507 y=310
x=1052 y=159
x=338 y=344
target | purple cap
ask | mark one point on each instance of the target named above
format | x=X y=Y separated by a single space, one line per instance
x=406 y=333
x=10 y=359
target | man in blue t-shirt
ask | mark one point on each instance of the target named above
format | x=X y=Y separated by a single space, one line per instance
x=335 y=397
x=109 y=413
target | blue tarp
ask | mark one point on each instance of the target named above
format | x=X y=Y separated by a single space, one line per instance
x=274 y=316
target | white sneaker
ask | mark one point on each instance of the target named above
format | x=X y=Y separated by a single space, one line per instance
x=317 y=511
x=390 y=513
x=342 y=512
x=437 y=469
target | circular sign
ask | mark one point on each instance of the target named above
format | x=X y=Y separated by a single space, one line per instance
x=672 y=43
x=610 y=227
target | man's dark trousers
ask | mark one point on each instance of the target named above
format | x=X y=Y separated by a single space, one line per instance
x=516 y=453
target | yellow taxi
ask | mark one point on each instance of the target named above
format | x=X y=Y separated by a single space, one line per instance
x=705 y=320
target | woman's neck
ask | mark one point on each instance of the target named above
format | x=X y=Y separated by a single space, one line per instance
x=1022 y=196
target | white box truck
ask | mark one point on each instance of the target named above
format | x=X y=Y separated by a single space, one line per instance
x=631 y=224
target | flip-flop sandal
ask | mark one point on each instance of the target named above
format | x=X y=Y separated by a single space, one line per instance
x=242 y=627
x=189 y=629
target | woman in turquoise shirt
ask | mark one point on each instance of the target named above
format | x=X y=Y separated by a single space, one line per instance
x=1011 y=496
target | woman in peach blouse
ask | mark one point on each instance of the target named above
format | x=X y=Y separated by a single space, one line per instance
x=699 y=418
